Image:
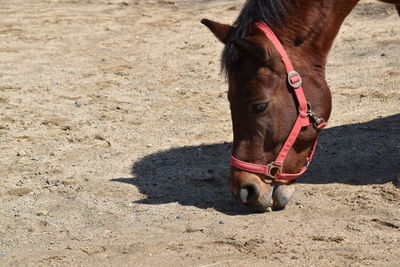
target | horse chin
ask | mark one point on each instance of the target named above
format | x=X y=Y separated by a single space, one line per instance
x=276 y=200
x=282 y=195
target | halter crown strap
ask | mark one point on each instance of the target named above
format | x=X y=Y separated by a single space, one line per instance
x=294 y=77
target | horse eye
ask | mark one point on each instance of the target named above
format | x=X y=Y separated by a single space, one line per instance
x=260 y=107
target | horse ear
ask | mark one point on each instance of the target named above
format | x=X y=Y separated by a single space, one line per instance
x=247 y=47
x=221 y=31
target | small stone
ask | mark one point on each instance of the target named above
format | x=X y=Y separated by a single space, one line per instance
x=269 y=209
x=94 y=250
x=71 y=139
x=178 y=217
x=43 y=213
x=44 y=223
x=78 y=103
x=295 y=258
x=383 y=54
x=21 y=153
x=67 y=182
x=222 y=222
x=190 y=229
x=99 y=137
x=35 y=158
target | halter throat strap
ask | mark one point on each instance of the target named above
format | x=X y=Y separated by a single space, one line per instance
x=304 y=118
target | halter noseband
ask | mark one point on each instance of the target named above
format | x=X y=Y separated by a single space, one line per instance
x=305 y=118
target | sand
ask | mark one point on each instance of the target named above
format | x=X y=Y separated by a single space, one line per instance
x=115 y=135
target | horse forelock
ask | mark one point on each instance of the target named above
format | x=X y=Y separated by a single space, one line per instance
x=272 y=12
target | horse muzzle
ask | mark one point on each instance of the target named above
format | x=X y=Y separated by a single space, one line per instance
x=253 y=191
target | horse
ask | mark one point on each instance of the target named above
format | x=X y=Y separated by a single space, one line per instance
x=274 y=59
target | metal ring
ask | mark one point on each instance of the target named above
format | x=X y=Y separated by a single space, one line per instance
x=296 y=84
x=272 y=166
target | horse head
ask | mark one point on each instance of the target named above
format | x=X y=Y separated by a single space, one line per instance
x=272 y=140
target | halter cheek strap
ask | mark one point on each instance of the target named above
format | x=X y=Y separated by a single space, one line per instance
x=304 y=119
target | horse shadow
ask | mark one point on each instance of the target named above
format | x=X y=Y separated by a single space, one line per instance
x=357 y=154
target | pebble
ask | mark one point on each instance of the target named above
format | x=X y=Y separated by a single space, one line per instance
x=222 y=222
x=43 y=213
x=99 y=137
x=45 y=223
x=178 y=217
x=21 y=153
x=298 y=203
x=72 y=197
x=78 y=103
x=35 y=158
x=190 y=229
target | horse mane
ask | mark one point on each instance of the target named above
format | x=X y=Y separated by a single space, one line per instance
x=272 y=12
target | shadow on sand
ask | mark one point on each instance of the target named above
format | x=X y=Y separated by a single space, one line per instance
x=356 y=154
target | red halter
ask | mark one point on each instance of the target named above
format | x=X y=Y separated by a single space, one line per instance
x=274 y=169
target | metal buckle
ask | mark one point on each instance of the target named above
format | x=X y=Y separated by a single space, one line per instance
x=316 y=120
x=271 y=167
x=296 y=84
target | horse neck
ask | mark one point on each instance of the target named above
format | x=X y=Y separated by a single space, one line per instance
x=312 y=26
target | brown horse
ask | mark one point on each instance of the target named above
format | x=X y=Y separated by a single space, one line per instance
x=265 y=106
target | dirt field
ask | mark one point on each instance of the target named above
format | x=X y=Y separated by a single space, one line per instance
x=115 y=135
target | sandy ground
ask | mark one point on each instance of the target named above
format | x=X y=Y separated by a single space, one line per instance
x=115 y=135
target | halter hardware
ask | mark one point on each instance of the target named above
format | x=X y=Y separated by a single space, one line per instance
x=294 y=79
x=274 y=169
x=318 y=122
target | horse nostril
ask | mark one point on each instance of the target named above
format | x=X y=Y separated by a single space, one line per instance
x=249 y=193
